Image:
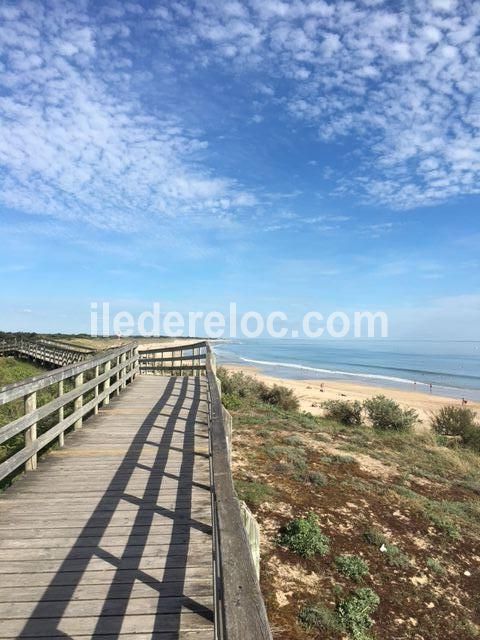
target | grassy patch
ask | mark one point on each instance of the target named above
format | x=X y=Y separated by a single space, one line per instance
x=253 y=493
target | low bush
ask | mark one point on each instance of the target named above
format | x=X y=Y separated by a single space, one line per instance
x=386 y=415
x=458 y=421
x=352 y=567
x=253 y=493
x=239 y=385
x=304 y=536
x=317 y=616
x=354 y=612
x=344 y=411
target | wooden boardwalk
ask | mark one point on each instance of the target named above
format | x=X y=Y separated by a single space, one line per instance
x=112 y=536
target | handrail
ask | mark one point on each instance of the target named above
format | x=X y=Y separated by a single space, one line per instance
x=112 y=379
x=241 y=613
x=188 y=359
x=57 y=354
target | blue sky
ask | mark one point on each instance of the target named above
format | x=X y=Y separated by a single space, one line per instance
x=284 y=155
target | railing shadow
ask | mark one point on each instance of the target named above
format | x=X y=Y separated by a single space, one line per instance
x=46 y=621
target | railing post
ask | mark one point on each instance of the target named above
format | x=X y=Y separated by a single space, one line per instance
x=78 y=402
x=31 y=432
x=61 y=415
x=117 y=377
x=106 y=384
x=96 y=373
x=123 y=370
x=136 y=362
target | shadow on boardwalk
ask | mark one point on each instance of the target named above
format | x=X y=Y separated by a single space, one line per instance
x=125 y=568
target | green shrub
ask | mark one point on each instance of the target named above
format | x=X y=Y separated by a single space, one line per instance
x=317 y=616
x=253 y=493
x=344 y=411
x=231 y=402
x=458 y=421
x=280 y=396
x=352 y=567
x=386 y=415
x=375 y=537
x=396 y=557
x=318 y=479
x=354 y=612
x=238 y=384
x=304 y=536
x=436 y=566
x=453 y=421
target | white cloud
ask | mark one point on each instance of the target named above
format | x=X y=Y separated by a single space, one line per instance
x=76 y=141
x=405 y=82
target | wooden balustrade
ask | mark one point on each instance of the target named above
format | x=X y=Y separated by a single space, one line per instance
x=57 y=354
x=83 y=397
x=185 y=360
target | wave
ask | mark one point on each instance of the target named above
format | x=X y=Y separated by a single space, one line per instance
x=304 y=367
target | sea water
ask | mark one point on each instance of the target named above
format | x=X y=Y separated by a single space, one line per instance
x=452 y=368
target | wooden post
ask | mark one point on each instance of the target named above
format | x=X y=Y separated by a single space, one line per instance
x=31 y=432
x=117 y=377
x=97 y=373
x=253 y=535
x=78 y=402
x=61 y=414
x=123 y=371
x=106 y=384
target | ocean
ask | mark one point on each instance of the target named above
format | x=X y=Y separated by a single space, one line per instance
x=451 y=367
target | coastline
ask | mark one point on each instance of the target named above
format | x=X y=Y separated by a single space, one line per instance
x=311 y=396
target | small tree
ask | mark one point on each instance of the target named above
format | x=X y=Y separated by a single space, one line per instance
x=386 y=415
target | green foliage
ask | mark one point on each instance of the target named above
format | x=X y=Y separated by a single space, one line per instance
x=253 y=493
x=337 y=459
x=239 y=385
x=396 y=557
x=344 y=411
x=304 y=537
x=436 y=566
x=458 y=421
x=352 y=567
x=354 y=612
x=318 y=479
x=317 y=616
x=374 y=537
x=386 y=415
x=231 y=401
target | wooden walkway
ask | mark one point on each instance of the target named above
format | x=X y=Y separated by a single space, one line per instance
x=111 y=537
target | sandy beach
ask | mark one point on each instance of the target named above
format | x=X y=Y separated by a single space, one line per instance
x=311 y=394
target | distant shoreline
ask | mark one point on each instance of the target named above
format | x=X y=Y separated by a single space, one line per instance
x=313 y=392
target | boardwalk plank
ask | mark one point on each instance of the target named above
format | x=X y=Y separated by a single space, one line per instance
x=111 y=536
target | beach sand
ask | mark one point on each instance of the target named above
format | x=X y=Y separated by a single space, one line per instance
x=311 y=396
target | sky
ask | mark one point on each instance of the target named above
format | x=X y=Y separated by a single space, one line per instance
x=303 y=155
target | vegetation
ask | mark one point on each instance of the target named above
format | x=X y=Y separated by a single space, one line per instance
x=458 y=421
x=400 y=501
x=352 y=567
x=304 y=536
x=253 y=493
x=344 y=411
x=385 y=414
x=354 y=612
x=237 y=385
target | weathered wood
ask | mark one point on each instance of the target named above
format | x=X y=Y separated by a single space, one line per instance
x=30 y=404
x=78 y=404
x=61 y=414
x=122 y=547
x=239 y=599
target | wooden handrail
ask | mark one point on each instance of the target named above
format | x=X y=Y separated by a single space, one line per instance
x=240 y=609
x=188 y=359
x=113 y=380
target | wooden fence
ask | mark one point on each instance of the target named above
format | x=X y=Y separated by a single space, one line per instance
x=240 y=608
x=187 y=360
x=71 y=392
x=44 y=351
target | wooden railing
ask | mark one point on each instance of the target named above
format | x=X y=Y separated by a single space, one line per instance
x=68 y=395
x=44 y=351
x=240 y=610
x=186 y=360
